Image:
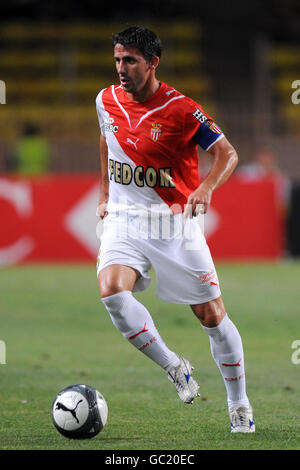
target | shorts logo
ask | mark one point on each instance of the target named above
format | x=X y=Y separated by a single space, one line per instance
x=109 y=125
x=156 y=131
x=213 y=284
x=200 y=116
x=209 y=277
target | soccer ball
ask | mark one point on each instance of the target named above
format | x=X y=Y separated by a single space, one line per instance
x=79 y=412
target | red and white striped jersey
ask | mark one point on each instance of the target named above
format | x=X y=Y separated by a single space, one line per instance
x=152 y=147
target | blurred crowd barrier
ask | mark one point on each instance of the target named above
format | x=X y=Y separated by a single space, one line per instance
x=53 y=73
x=52 y=218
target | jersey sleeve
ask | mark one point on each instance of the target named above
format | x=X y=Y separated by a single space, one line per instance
x=100 y=110
x=200 y=127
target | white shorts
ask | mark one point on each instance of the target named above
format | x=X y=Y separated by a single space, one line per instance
x=185 y=272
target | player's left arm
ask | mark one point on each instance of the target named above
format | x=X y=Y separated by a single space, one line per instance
x=225 y=159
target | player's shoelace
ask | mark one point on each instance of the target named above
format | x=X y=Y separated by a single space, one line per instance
x=242 y=419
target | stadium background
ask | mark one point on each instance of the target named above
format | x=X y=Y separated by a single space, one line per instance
x=238 y=62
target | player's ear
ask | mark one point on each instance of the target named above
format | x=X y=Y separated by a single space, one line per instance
x=154 y=62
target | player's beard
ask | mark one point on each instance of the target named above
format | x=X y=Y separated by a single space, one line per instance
x=133 y=85
x=128 y=85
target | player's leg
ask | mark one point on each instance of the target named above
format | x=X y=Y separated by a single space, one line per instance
x=122 y=268
x=133 y=320
x=227 y=351
x=226 y=348
x=130 y=317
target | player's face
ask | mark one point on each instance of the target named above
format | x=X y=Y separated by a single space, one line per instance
x=133 y=70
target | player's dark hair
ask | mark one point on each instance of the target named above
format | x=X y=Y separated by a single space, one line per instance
x=143 y=39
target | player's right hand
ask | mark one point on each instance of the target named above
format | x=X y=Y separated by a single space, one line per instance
x=101 y=210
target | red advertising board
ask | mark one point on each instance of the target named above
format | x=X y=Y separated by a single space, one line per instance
x=52 y=218
x=251 y=220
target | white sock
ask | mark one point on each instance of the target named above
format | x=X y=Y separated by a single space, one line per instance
x=134 y=321
x=227 y=351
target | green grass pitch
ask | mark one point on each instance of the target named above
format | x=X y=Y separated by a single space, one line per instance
x=57 y=333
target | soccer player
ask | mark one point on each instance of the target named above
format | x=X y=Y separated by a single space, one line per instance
x=150 y=203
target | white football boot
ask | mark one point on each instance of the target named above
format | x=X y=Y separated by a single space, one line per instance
x=181 y=376
x=241 y=419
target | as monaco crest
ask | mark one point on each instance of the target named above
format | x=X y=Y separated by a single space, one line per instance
x=156 y=131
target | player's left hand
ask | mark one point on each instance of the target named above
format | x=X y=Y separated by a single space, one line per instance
x=198 y=201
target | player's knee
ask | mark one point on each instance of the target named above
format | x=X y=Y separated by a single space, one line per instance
x=210 y=313
x=107 y=290
x=116 y=278
x=109 y=285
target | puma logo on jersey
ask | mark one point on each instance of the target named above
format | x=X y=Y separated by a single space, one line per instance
x=133 y=143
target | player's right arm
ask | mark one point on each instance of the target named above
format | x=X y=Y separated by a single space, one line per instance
x=104 y=179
